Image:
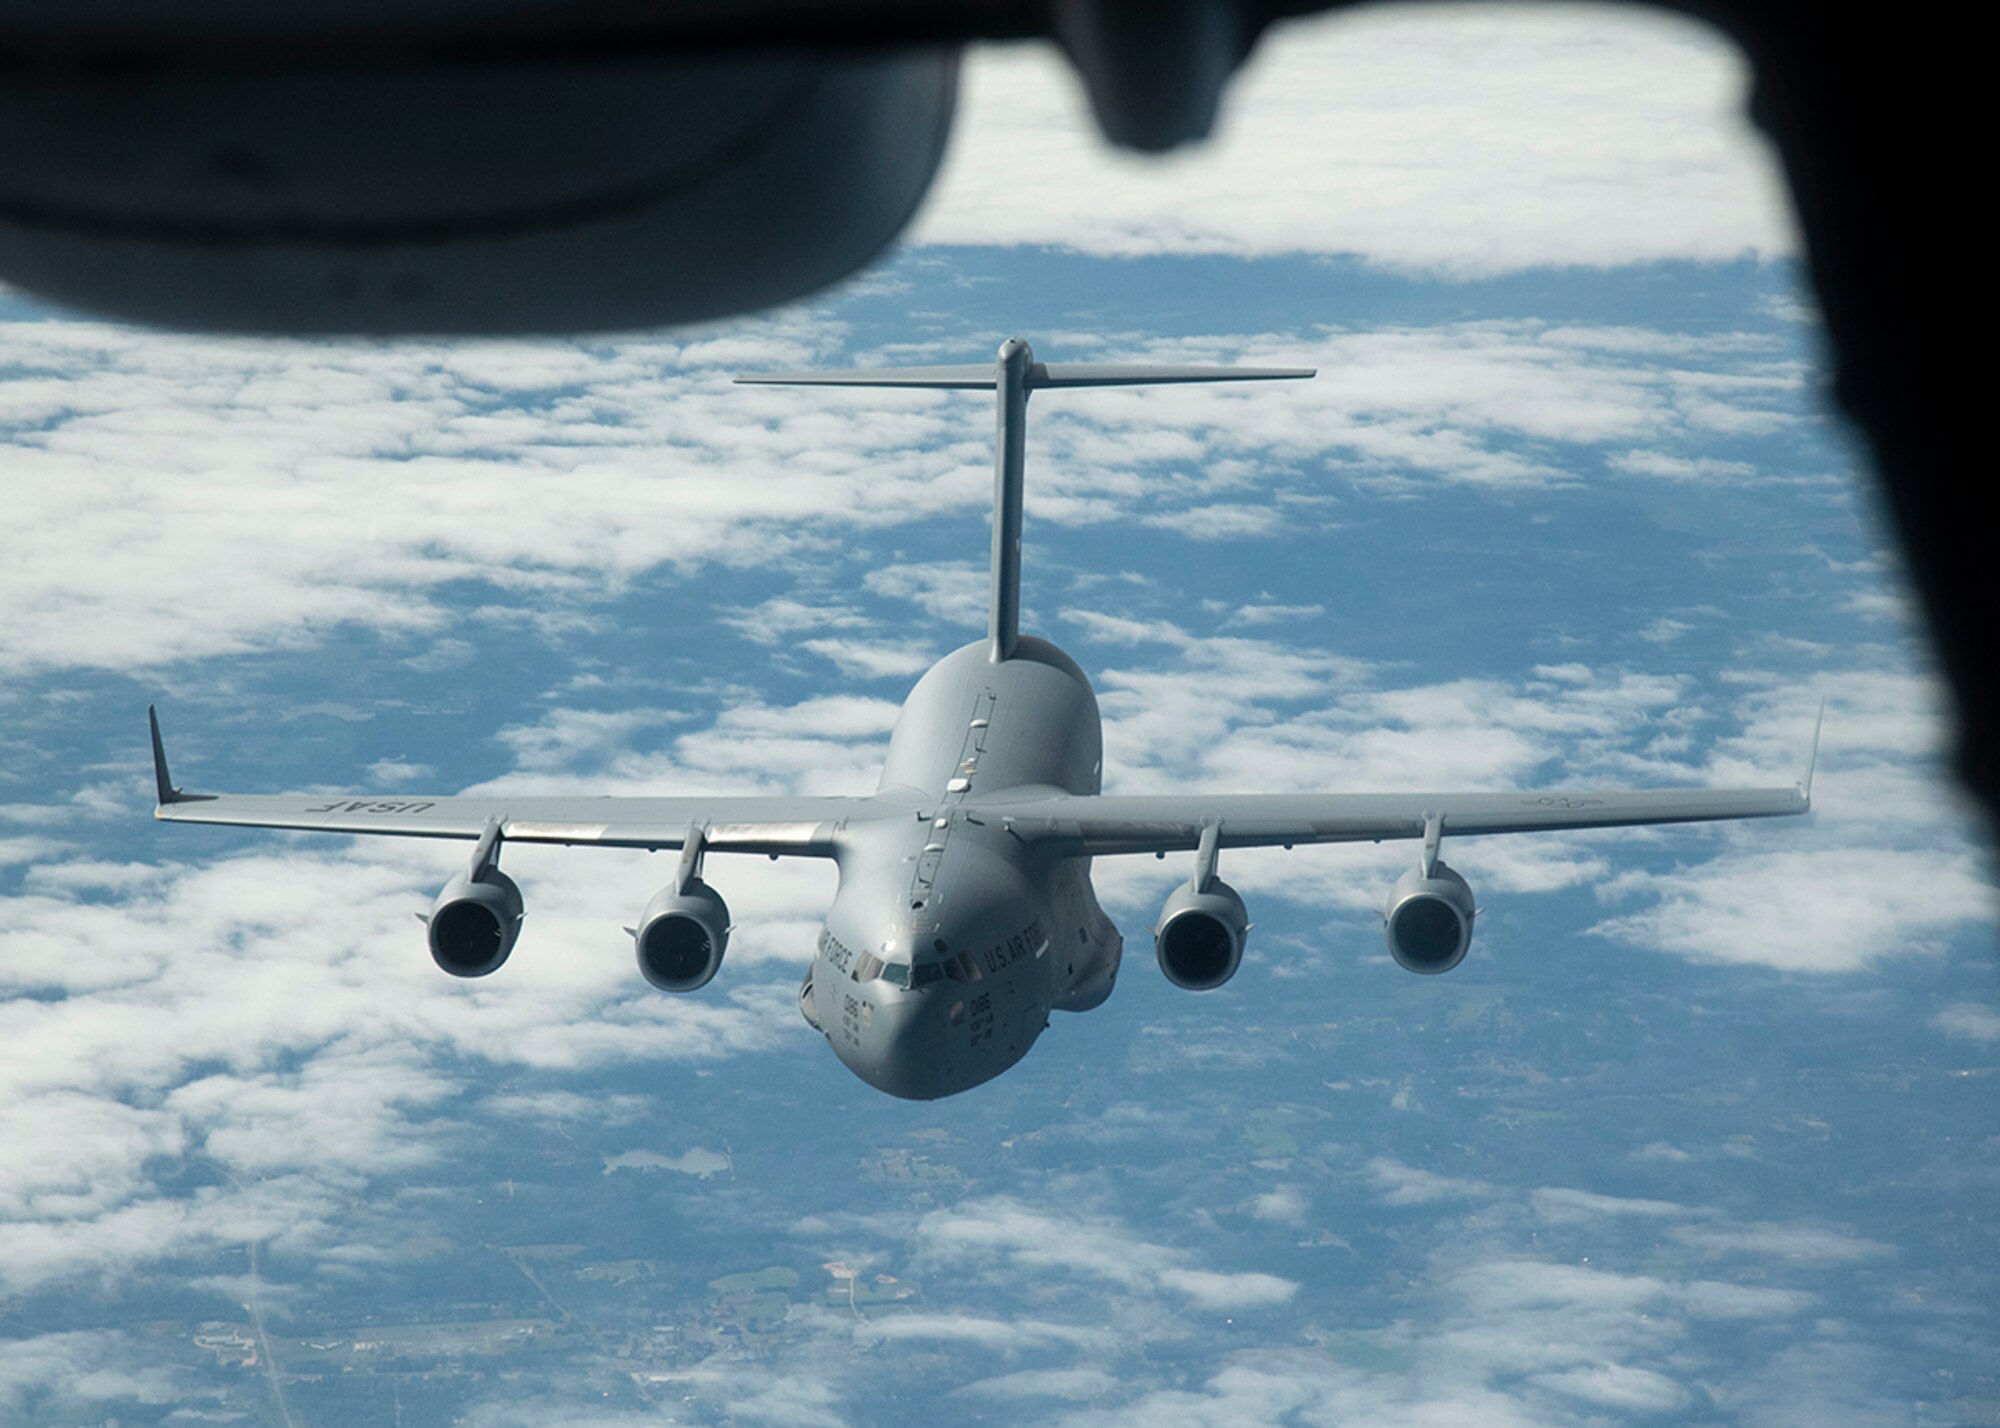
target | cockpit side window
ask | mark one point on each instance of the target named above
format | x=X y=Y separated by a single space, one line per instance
x=963 y=968
x=868 y=967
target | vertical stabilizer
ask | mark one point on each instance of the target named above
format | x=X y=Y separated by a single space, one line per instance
x=1010 y=442
x=1015 y=374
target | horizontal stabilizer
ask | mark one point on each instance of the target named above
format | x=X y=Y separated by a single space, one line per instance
x=1013 y=376
x=1110 y=374
x=965 y=378
x=1039 y=375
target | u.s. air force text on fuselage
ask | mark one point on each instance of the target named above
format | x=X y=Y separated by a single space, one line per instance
x=965 y=913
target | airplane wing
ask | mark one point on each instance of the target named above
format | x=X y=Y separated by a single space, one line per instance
x=1165 y=822
x=774 y=825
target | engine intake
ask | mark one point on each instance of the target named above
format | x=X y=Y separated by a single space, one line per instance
x=474 y=922
x=1199 y=942
x=681 y=938
x=1428 y=921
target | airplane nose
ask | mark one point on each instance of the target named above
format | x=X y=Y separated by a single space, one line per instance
x=902 y=1047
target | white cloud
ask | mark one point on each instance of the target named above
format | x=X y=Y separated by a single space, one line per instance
x=72 y=1155
x=1400 y=1184
x=1005 y=1334
x=833 y=744
x=1683 y=468
x=1075 y=1384
x=1449 y=138
x=781 y=618
x=82 y=1373
x=204 y=1016
x=550 y=1411
x=1531 y=1286
x=1233 y=1293
x=1829 y=1381
x=1827 y=910
x=1301 y=717
x=1220 y=522
x=393 y=773
x=866 y=659
x=1970 y=1020
x=560 y=1106
x=247 y=496
x=1793 y=1243
x=1566 y=1206
x=1616 y=1386
x=346 y=1111
x=1501 y=1340
x=1284 y=1205
x=1269 y=613
x=30 y=850
x=1882 y=605
x=1006 y=1235
x=242 y=495
x=954 y=591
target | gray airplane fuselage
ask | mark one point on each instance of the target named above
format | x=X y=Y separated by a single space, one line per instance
x=950 y=940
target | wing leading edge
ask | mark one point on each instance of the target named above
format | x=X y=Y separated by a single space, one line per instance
x=1168 y=822
x=1081 y=824
x=775 y=825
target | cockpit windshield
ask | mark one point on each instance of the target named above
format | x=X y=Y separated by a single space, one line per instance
x=868 y=968
x=964 y=967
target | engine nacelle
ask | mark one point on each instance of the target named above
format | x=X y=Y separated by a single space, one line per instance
x=681 y=938
x=474 y=922
x=1428 y=921
x=1200 y=935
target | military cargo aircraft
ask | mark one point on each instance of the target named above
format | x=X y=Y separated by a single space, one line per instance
x=965 y=912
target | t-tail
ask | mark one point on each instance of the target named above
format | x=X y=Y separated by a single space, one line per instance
x=1011 y=378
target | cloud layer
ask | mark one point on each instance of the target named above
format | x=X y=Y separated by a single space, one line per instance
x=180 y=499
x=1441 y=138
x=1711 y=1162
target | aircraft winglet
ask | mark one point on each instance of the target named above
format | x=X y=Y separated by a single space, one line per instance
x=163 y=783
x=161 y=780
x=1812 y=759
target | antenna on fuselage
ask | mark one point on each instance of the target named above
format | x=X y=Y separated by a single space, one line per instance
x=1011 y=378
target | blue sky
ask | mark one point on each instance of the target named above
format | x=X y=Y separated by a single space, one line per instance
x=1700 y=1133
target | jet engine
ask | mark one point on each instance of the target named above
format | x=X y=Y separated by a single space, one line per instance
x=1200 y=935
x=474 y=922
x=681 y=938
x=1428 y=920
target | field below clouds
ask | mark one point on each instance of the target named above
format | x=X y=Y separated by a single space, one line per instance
x=1701 y=1131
